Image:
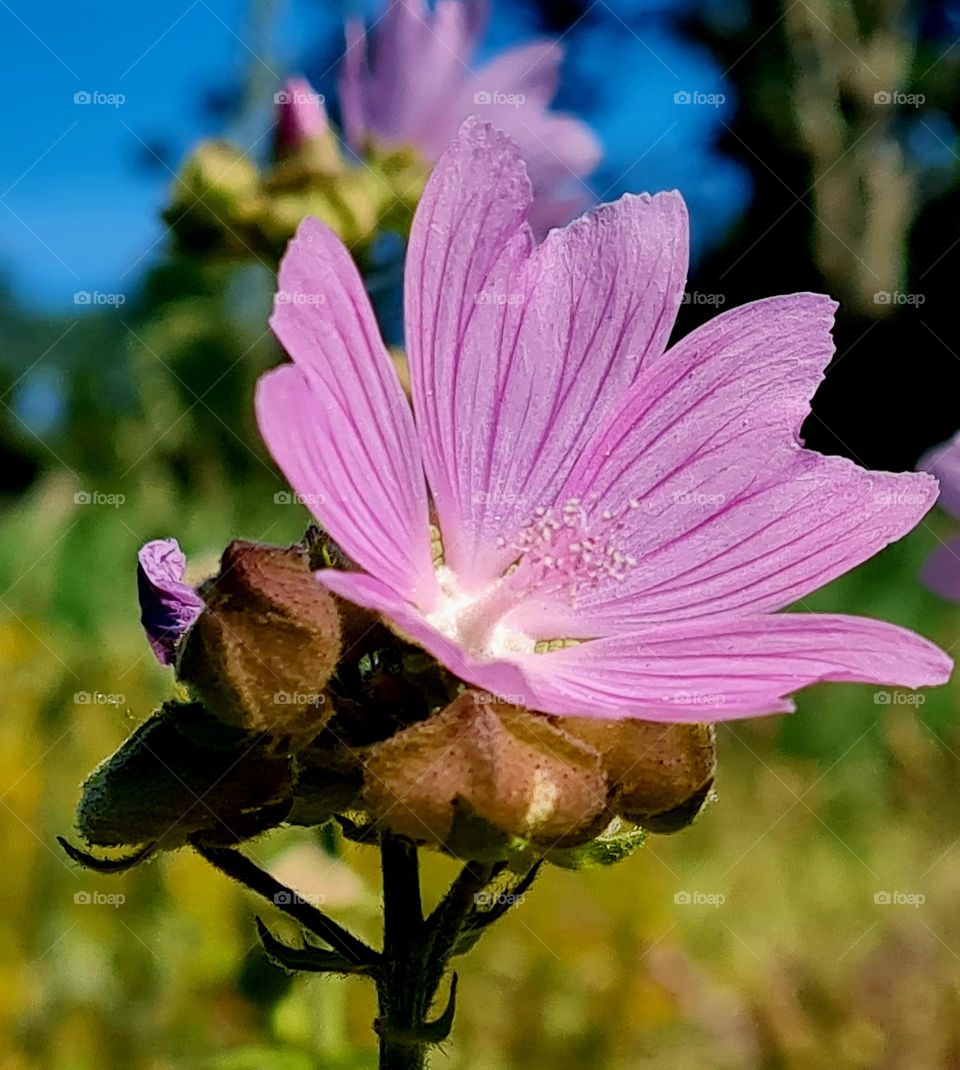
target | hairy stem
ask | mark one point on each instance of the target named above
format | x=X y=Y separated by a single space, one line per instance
x=241 y=869
x=400 y=986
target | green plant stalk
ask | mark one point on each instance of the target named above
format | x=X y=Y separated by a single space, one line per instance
x=416 y=950
x=401 y=988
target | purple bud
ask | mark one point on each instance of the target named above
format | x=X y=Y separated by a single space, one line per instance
x=168 y=606
x=301 y=115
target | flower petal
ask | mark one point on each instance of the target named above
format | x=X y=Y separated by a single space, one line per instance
x=738 y=667
x=401 y=91
x=513 y=93
x=516 y=356
x=944 y=462
x=941 y=570
x=691 y=671
x=168 y=606
x=337 y=422
x=712 y=495
x=530 y=71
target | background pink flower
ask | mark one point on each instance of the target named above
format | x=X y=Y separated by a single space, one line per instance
x=410 y=82
x=941 y=571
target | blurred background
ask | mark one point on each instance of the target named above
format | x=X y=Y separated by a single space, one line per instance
x=809 y=919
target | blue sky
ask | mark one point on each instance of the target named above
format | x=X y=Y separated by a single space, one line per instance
x=78 y=212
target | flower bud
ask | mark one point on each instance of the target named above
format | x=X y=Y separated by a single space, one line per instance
x=216 y=197
x=261 y=653
x=301 y=116
x=180 y=773
x=659 y=774
x=478 y=764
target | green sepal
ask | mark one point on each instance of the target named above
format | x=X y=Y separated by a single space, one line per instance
x=617 y=842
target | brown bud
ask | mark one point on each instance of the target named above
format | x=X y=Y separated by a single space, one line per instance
x=180 y=773
x=263 y=650
x=659 y=774
x=503 y=766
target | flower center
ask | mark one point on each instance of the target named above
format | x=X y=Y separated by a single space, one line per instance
x=475 y=621
x=560 y=555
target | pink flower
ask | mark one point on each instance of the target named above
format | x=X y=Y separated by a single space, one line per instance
x=301 y=115
x=619 y=521
x=941 y=571
x=418 y=87
x=168 y=606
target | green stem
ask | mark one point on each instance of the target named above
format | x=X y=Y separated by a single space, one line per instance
x=241 y=869
x=400 y=984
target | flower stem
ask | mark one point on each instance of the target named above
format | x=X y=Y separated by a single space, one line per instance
x=400 y=985
x=416 y=950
